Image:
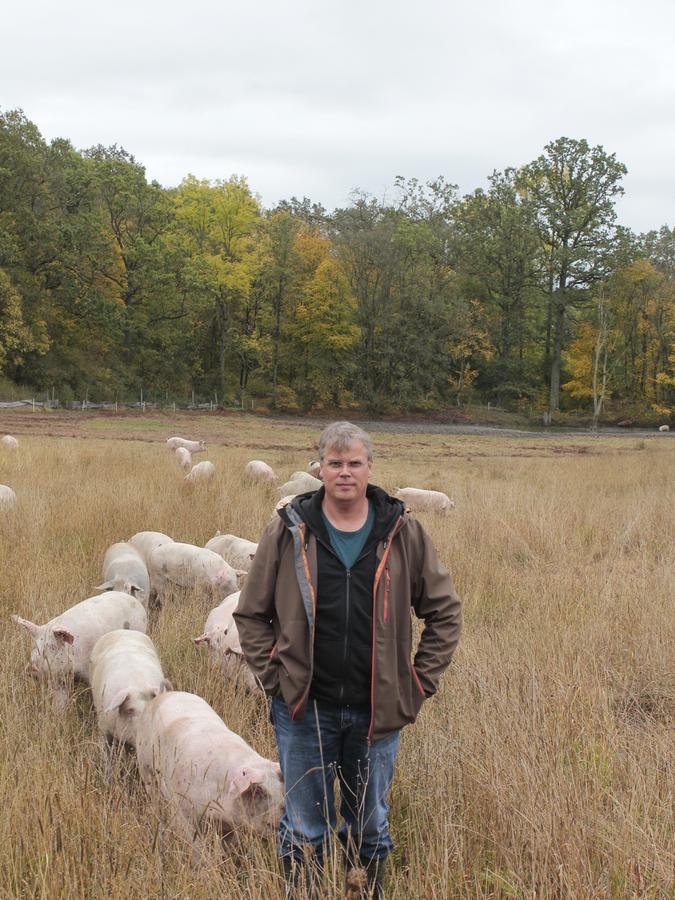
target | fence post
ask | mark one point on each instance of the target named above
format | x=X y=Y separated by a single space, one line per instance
x=33 y=404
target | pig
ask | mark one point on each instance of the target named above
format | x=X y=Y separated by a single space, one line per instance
x=314 y=468
x=210 y=776
x=184 y=457
x=237 y=551
x=258 y=470
x=664 y=428
x=123 y=564
x=421 y=500
x=9 y=442
x=203 y=471
x=300 y=483
x=192 y=446
x=190 y=567
x=7 y=497
x=125 y=675
x=283 y=502
x=62 y=648
x=222 y=639
x=146 y=541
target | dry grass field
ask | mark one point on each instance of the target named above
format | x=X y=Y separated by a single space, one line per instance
x=542 y=768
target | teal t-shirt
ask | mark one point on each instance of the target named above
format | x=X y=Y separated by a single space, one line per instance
x=349 y=544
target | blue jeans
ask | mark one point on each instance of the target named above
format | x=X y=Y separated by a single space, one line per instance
x=330 y=742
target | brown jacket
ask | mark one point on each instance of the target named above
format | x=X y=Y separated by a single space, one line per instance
x=277 y=607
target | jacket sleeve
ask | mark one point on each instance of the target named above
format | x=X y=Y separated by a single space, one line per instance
x=255 y=611
x=435 y=601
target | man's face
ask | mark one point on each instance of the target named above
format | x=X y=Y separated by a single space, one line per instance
x=345 y=473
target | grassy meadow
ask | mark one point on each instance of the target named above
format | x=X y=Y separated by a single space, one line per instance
x=543 y=767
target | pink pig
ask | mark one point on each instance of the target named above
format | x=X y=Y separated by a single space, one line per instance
x=62 y=648
x=192 y=446
x=208 y=774
x=192 y=567
x=222 y=640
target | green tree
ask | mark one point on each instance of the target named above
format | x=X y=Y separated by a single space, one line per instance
x=499 y=262
x=216 y=224
x=572 y=188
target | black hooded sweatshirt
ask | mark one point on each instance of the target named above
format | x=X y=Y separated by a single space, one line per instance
x=344 y=604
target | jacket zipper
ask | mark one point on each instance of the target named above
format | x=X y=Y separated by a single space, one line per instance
x=345 y=644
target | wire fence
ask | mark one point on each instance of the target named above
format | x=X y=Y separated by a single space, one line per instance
x=37 y=403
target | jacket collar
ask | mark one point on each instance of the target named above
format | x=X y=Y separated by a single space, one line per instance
x=308 y=508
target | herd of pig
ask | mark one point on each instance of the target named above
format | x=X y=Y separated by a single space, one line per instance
x=187 y=756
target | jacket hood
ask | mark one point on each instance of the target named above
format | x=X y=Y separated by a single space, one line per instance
x=308 y=507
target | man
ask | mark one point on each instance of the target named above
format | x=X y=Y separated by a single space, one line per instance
x=324 y=622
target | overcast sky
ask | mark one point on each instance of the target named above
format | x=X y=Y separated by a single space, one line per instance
x=315 y=99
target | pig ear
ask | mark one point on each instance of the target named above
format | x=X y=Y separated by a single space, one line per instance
x=165 y=686
x=32 y=629
x=240 y=573
x=203 y=638
x=64 y=635
x=243 y=779
x=118 y=700
x=131 y=588
x=106 y=586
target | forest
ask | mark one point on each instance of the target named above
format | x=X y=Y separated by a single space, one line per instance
x=526 y=293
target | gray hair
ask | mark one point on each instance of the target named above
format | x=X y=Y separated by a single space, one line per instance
x=339 y=435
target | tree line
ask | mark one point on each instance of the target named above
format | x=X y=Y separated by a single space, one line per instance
x=526 y=293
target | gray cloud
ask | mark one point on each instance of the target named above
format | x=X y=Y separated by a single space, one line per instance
x=307 y=98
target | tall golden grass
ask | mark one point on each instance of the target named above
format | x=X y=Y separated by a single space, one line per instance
x=543 y=766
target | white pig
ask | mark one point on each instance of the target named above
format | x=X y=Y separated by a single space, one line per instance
x=258 y=470
x=124 y=565
x=62 y=648
x=147 y=541
x=662 y=428
x=237 y=551
x=9 y=442
x=203 y=471
x=283 y=502
x=208 y=774
x=192 y=446
x=190 y=567
x=125 y=675
x=184 y=457
x=7 y=497
x=421 y=500
x=300 y=483
x=222 y=639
